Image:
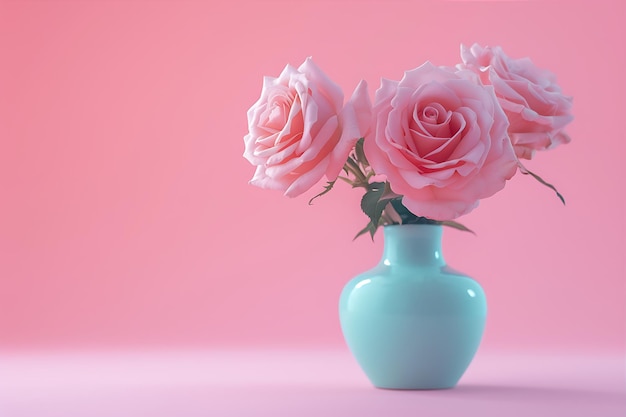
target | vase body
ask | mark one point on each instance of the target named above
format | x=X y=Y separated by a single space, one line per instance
x=412 y=322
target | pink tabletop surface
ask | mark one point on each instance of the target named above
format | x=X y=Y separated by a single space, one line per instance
x=298 y=383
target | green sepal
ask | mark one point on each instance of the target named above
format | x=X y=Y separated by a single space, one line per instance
x=329 y=186
x=369 y=228
x=360 y=153
x=457 y=225
x=409 y=218
x=525 y=171
x=373 y=202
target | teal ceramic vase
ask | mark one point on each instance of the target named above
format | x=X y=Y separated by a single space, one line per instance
x=412 y=322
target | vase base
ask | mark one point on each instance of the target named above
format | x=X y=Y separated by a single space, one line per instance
x=415 y=388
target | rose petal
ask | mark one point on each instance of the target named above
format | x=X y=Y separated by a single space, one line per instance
x=308 y=179
x=355 y=120
x=316 y=76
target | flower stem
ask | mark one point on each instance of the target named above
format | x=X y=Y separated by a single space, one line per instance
x=346 y=179
x=360 y=179
x=356 y=169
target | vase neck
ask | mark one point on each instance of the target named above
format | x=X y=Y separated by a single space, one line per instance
x=413 y=244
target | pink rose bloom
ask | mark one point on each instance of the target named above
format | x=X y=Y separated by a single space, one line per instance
x=441 y=141
x=530 y=97
x=300 y=130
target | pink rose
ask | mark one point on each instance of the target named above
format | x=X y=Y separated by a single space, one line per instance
x=530 y=97
x=300 y=130
x=441 y=141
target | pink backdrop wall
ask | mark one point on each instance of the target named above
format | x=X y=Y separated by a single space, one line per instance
x=126 y=218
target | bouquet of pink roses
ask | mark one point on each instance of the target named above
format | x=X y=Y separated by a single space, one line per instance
x=430 y=147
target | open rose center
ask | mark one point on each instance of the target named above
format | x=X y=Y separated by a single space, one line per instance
x=430 y=115
x=277 y=113
x=277 y=117
x=284 y=122
x=434 y=134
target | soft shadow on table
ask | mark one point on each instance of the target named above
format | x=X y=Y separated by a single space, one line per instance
x=314 y=400
x=529 y=393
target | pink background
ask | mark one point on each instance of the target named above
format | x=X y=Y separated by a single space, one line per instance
x=126 y=219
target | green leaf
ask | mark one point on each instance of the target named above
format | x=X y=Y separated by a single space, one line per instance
x=353 y=163
x=352 y=166
x=369 y=228
x=373 y=204
x=457 y=225
x=525 y=171
x=406 y=215
x=360 y=154
x=392 y=214
x=402 y=211
x=410 y=218
x=346 y=179
x=327 y=188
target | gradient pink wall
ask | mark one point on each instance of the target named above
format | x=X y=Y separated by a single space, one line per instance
x=126 y=218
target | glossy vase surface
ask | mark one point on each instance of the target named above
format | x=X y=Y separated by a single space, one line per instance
x=412 y=322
